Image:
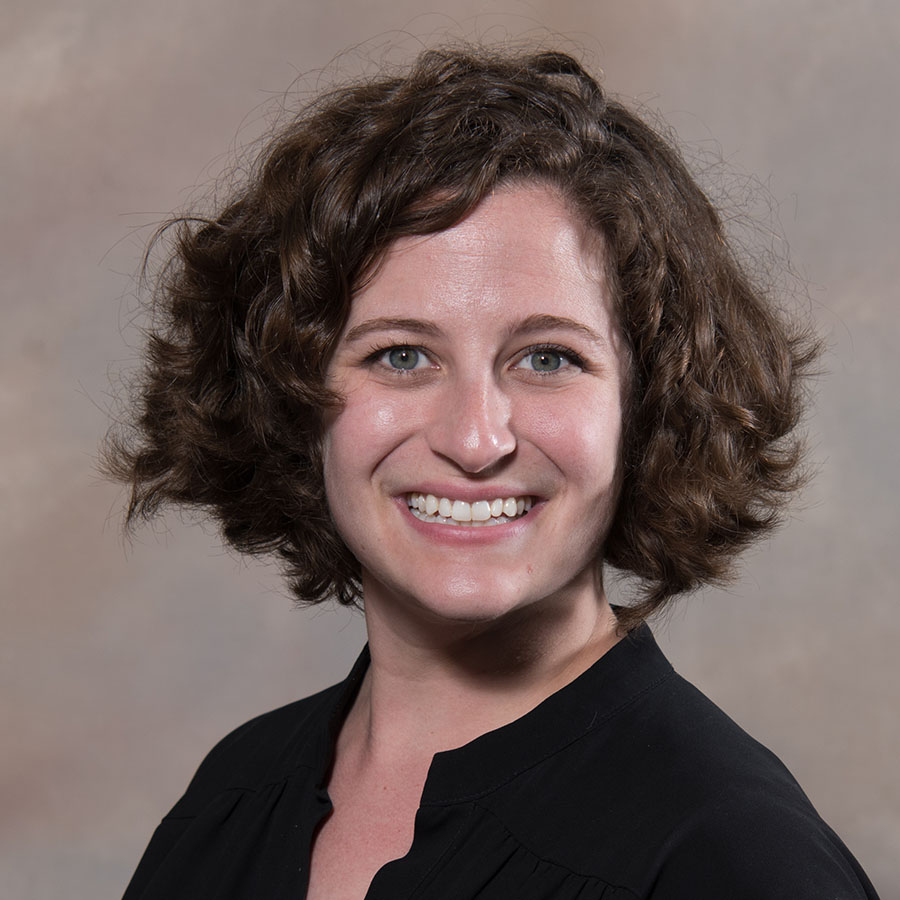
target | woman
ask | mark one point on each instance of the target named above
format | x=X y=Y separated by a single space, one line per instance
x=464 y=335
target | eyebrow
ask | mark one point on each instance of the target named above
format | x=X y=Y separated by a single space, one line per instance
x=529 y=325
x=547 y=322
x=417 y=326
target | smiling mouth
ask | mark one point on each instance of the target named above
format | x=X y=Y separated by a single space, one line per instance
x=446 y=511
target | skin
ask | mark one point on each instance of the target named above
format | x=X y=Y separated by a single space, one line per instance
x=480 y=362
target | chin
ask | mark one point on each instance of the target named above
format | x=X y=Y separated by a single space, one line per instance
x=469 y=610
x=480 y=605
x=462 y=598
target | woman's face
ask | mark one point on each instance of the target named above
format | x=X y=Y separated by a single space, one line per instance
x=482 y=372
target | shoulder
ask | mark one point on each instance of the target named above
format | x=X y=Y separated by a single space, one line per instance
x=244 y=771
x=263 y=750
x=758 y=845
x=665 y=755
x=740 y=824
x=672 y=799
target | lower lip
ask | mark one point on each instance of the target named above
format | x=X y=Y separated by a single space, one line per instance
x=469 y=536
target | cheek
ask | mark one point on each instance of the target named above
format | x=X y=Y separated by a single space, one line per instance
x=582 y=437
x=362 y=433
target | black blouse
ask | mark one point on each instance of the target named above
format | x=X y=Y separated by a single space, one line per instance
x=627 y=783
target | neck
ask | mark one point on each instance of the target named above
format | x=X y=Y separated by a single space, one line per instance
x=436 y=685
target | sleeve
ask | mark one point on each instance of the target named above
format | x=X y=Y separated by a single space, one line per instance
x=164 y=838
x=760 y=847
x=211 y=777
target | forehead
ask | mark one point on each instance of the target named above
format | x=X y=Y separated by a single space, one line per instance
x=521 y=252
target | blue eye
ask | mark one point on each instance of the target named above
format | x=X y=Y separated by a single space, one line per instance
x=546 y=360
x=403 y=358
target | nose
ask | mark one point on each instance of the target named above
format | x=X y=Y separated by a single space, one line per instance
x=471 y=425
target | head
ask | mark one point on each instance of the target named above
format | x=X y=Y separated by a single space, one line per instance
x=256 y=297
x=473 y=465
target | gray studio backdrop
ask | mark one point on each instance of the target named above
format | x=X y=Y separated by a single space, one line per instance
x=121 y=665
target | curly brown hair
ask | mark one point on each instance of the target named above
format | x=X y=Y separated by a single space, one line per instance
x=254 y=298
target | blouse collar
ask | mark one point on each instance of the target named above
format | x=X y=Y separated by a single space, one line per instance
x=630 y=668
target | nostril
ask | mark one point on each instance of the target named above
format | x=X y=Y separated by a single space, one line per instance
x=472 y=428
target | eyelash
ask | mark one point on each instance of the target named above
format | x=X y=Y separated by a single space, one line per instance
x=566 y=353
x=375 y=356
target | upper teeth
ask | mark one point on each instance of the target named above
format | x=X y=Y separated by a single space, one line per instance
x=444 y=508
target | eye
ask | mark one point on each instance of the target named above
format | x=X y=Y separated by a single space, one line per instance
x=547 y=360
x=402 y=359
